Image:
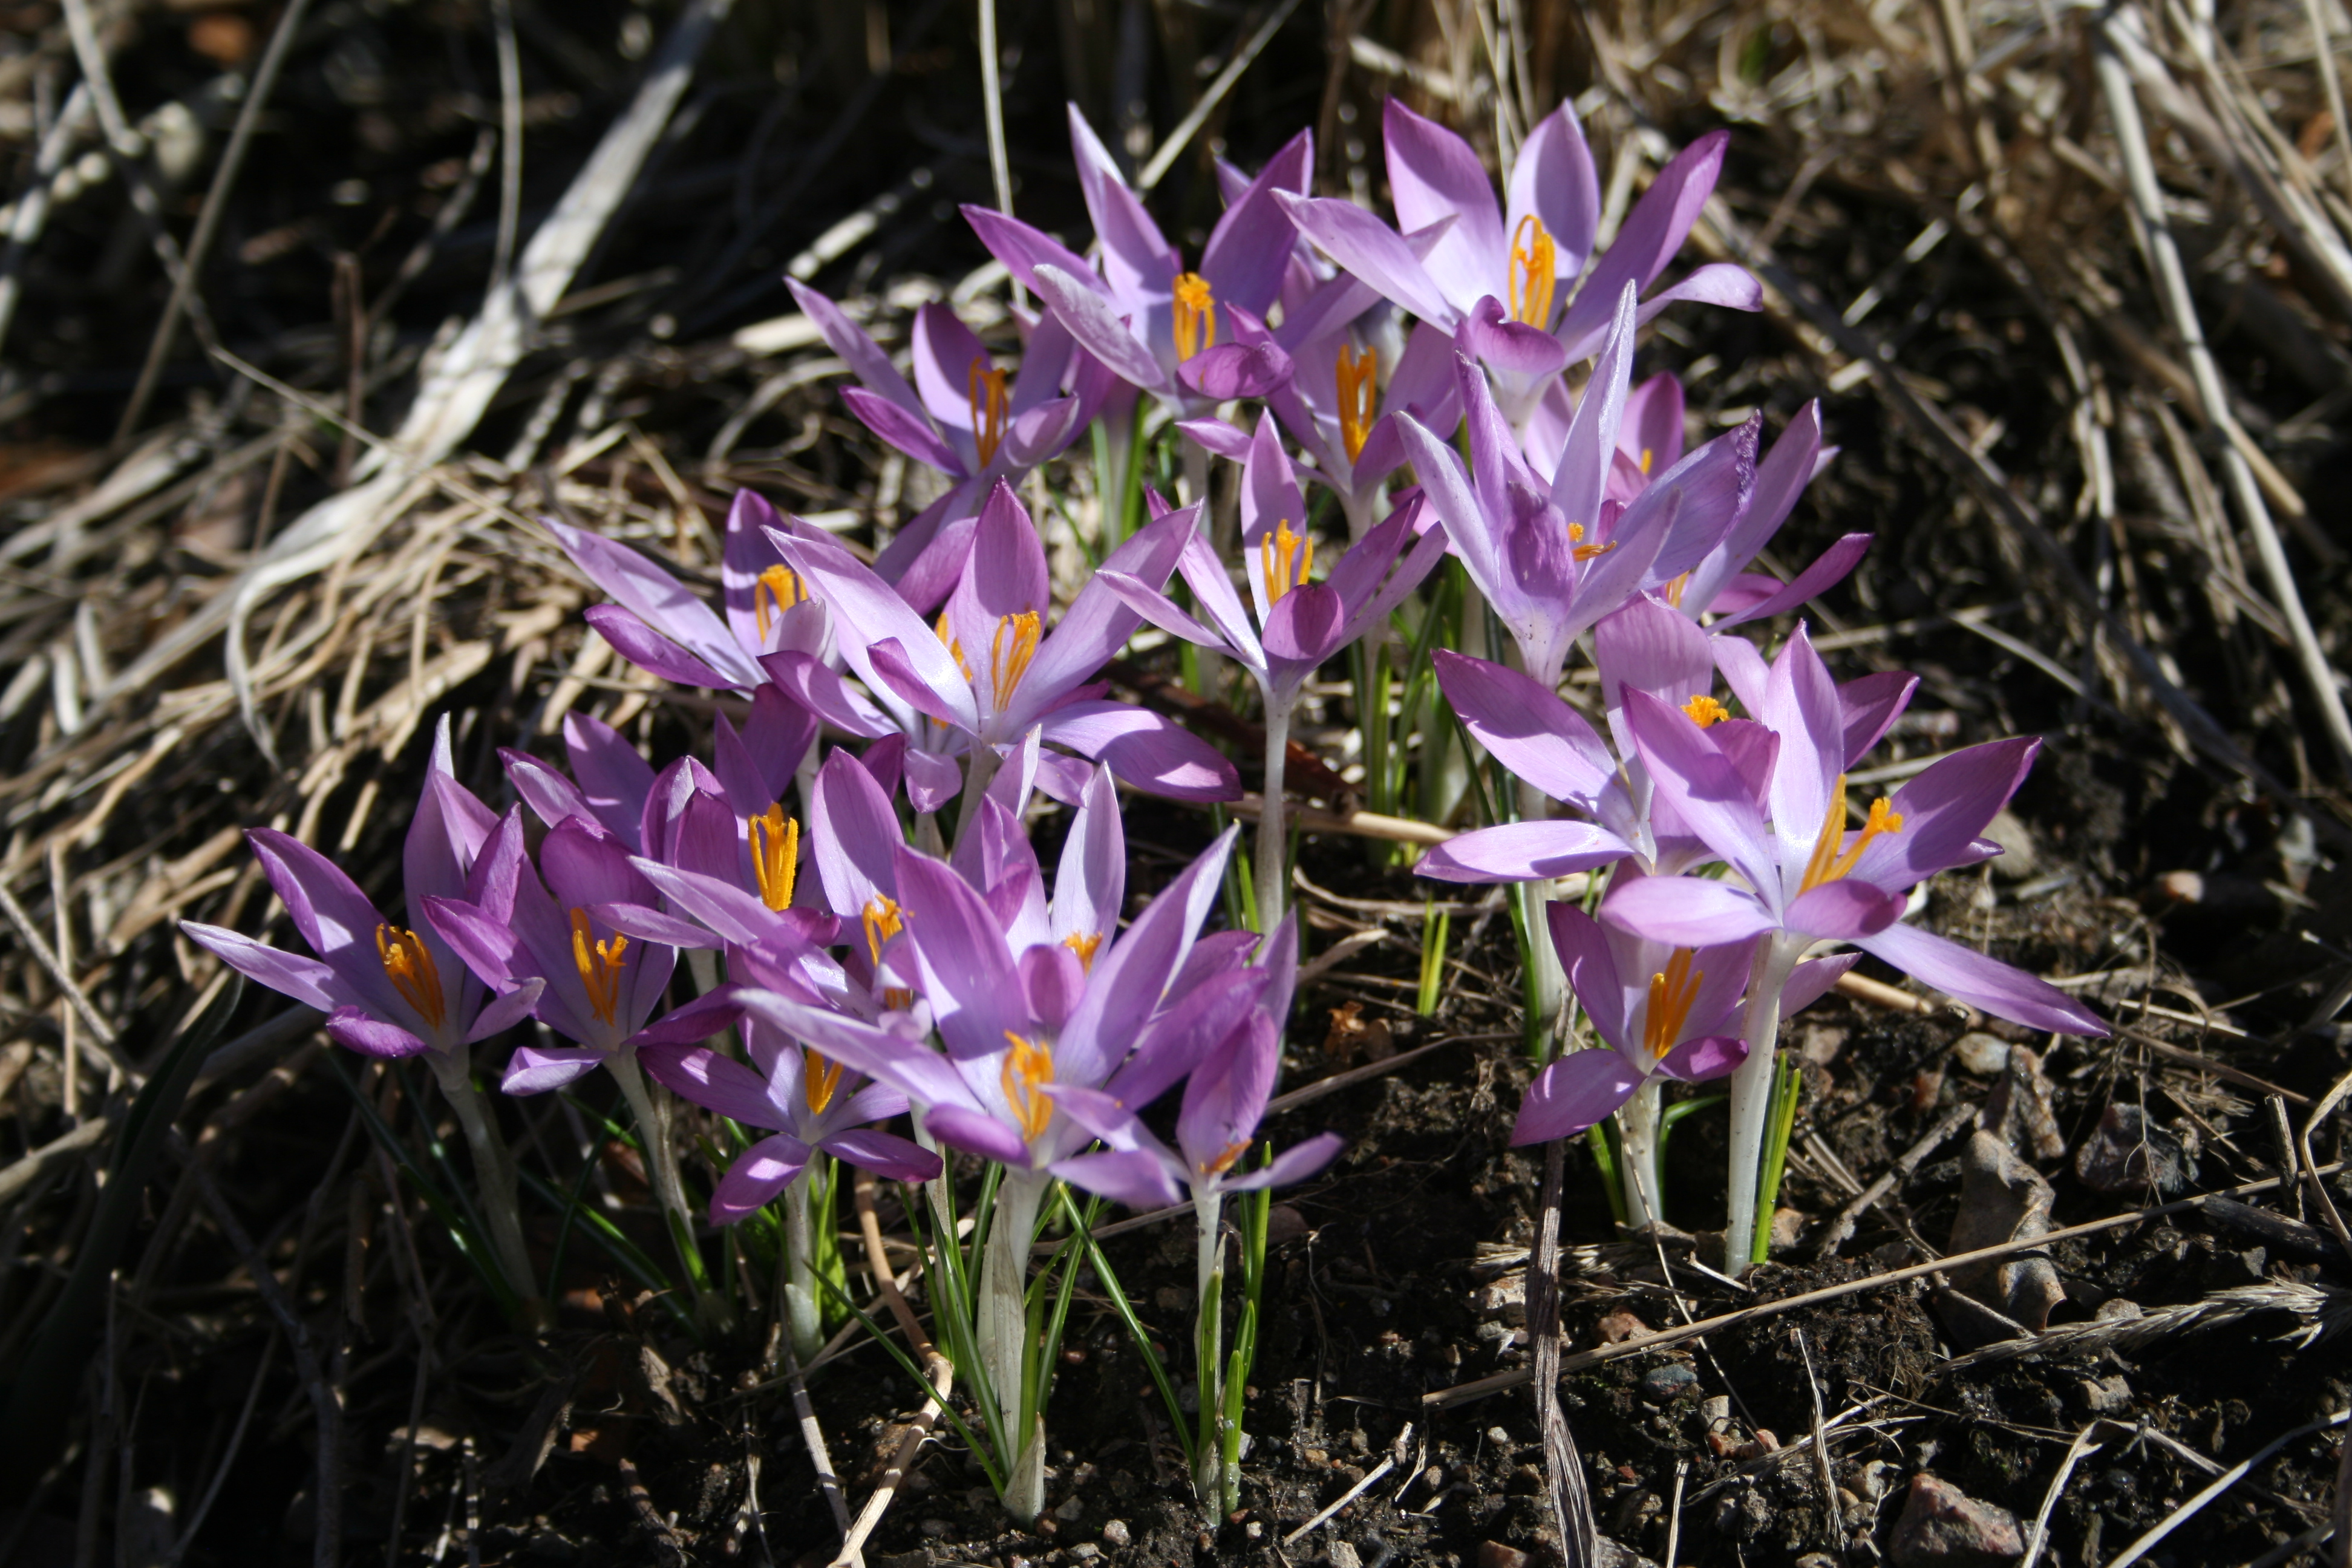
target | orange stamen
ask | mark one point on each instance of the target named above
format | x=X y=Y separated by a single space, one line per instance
x=955 y=648
x=1008 y=659
x=1672 y=992
x=1534 y=272
x=882 y=921
x=1225 y=1161
x=1284 y=558
x=780 y=585
x=1827 y=865
x=408 y=964
x=984 y=385
x=775 y=841
x=1706 y=711
x=1672 y=591
x=599 y=963
x=1028 y=1068
x=1360 y=394
x=820 y=1077
x=1583 y=551
x=1195 y=315
x=1085 y=945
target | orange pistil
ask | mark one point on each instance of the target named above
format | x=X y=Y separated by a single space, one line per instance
x=1225 y=1160
x=1193 y=313
x=820 y=1077
x=1583 y=550
x=984 y=385
x=955 y=648
x=1284 y=558
x=775 y=841
x=1827 y=864
x=779 y=586
x=1672 y=992
x=408 y=964
x=1028 y=1068
x=599 y=963
x=1085 y=945
x=1360 y=396
x=1014 y=645
x=1534 y=272
x=882 y=921
x=1706 y=711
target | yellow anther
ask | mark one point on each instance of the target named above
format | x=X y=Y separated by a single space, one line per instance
x=1284 y=559
x=820 y=1077
x=775 y=841
x=779 y=586
x=1028 y=1068
x=1360 y=396
x=882 y=921
x=1672 y=591
x=1085 y=945
x=1827 y=865
x=1008 y=656
x=599 y=963
x=1581 y=551
x=1646 y=455
x=1705 y=711
x=955 y=648
x=1534 y=272
x=1193 y=313
x=1225 y=1158
x=408 y=964
x=984 y=385
x=1673 y=991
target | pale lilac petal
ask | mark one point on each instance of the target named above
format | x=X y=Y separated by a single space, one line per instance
x=855 y=833
x=1802 y=707
x=1647 y=646
x=1588 y=960
x=1023 y=249
x=945 y=353
x=1651 y=235
x=1706 y=1056
x=503 y=1013
x=1160 y=610
x=652 y=652
x=1225 y=1096
x=1520 y=355
x=1005 y=576
x=1250 y=247
x=715 y=1083
x=1137 y=260
x=1526 y=727
x=1553 y=180
x=807 y=682
x=1304 y=628
x=1367 y=248
x=758 y=1177
x=1695 y=503
x=1829 y=569
x=1424 y=384
x=1871 y=704
x=583 y=867
x=1651 y=432
x=1746 y=672
x=1098 y=622
x=1686 y=911
x=1522 y=852
x=1447 y=485
x=1228 y=370
x=911 y=434
x=846 y=338
x=306 y=980
x=1780 y=479
x=1847 y=910
x=903 y=672
x=867 y=611
x=1295 y=1163
x=614 y=779
x=356 y=1031
x=1217 y=436
x=1128 y=981
x=884 y=1153
x=1583 y=475
x=1205 y=1011
x=1035 y=435
x=1090 y=881
x=1982 y=982
x=745 y=555
x=1433 y=176
x=1812 y=980
x=1134 y=1177
x=1574 y=1093
x=1146 y=750
x=640 y=922
x=925 y=559
x=968 y=971
x=977 y=1133
x=333 y=916
x=932 y=779
x=755 y=764
x=1706 y=791
x=535 y=1069
x=1945 y=808
x=1093 y=321
x=658 y=599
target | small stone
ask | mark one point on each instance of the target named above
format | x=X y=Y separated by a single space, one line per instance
x=1344 y=1556
x=1115 y=1533
x=1816 y=1559
x=935 y=1528
x=1712 y=1410
x=2105 y=1395
x=2017 y=859
x=1497 y=1435
x=1316 y=1457
x=1283 y=1223
x=2117 y=1309
x=1983 y=1054
x=1661 y=1383
x=2129 y=1153
x=1084 y=1551
x=1619 y=1326
x=1495 y=1555
x=1942 y=1527
x=1071 y=1511
x=1504 y=1300
x=1788 y=1226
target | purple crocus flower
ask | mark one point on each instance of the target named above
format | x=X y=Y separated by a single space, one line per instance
x=387 y=991
x=990 y=671
x=1497 y=276
x=1192 y=337
x=1552 y=559
x=961 y=418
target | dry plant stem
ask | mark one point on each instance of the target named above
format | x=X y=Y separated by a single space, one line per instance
x=2219 y=1484
x=812 y=1436
x=2163 y=255
x=2319 y=1193
x=1187 y=128
x=941 y=1373
x=33 y=207
x=1843 y=1226
x=1751 y=1097
x=101 y=1031
x=1000 y=163
x=1481 y=1387
x=2078 y=1451
x=494 y=1175
x=510 y=140
x=1571 y=1508
x=208 y=219
x=651 y=1109
x=1273 y=839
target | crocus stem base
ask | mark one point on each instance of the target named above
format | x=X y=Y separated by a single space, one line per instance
x=494 y=1171
x=1271 y=871
x=1751 y=1096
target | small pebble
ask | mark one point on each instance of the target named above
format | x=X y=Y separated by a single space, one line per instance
x=1712 y=1410
x=1085 y=1550
x=1345 y=1556
x=1115 y=1533
x=1983 y=1054
x=1495 y=1555
x=1071 y=1510
x=1497 y=1435
x=936 y=1527
x=1661 y=1383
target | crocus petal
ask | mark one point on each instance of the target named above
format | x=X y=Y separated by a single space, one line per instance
x=759 y=1175
x=846 y=338
x=926 y=559
x=1707 y=1056
x=535 y=1069
x=1303 y=626
x=932 y=779
x=652 y=652
x=1583 y=475
x=333 y=916
x=1526 y=727
x=1871 y=704
x=1146 y=750
x=1522 y=852
x=1136 y=259
x=1802 y=707
x=1685 y=911
x=1945 y=808
x=1829 y=569
x=1249 y=249
x=1136 y=1178
x=945 y=352
x=356 y=1031
x=1364 y=245
x=1517 y=353
x=1848 y=909
x=614 y=779
x=884 y=1153
x=1295 y=1163
x=1227 y=371
x=855 y=832
x=1553 y=179
x=968 y=971
x=824 y=693
x=1159 y=610
x=1589 y=959
x=503 y=1013
x=1811 y=979
x=1692 y=773
x=1023 y=249
x=1573 y=1094
x=713 y=1082
x=656 y=598
x=1217 y=436
x=911 y=434
x=1981 y=982
x=306 y=980
x=1092 y=320
x=1433 y=176
x=1651 y=235
x=977 y=1133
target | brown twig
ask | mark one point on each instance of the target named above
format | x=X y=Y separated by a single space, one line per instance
x=940 y=1370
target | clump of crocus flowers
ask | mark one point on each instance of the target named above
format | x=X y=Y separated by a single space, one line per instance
x=879 y=972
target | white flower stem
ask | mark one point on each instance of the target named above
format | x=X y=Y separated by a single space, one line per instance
x=494 y=1177
x=650 y=1106
x=980 y=771
x=1637 y=1127
x=1751 y=1095
x=804 y=1318
x=1550 y=983
x=1273 y=869
x=1004 y=1332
